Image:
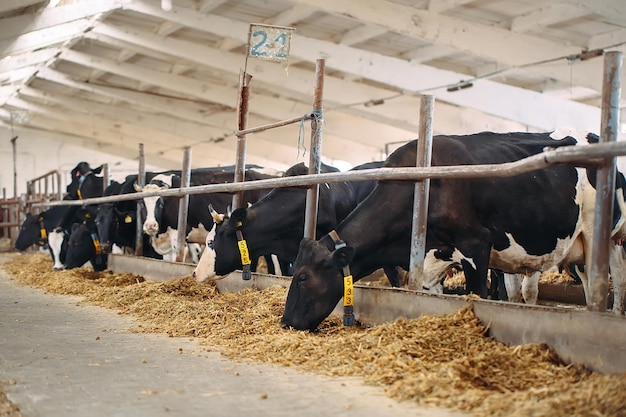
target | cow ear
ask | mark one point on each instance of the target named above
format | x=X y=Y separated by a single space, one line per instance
x=84 y=214
x=238 y=218
x=97 y=170
x=343 y=256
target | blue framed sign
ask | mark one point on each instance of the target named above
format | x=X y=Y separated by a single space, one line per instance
x=269 y=42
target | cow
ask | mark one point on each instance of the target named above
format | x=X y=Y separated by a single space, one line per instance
x=275 y=224
x=85 y=182
x=84 y=244
x=48 y=228
x=519 y=224
x=161 y=213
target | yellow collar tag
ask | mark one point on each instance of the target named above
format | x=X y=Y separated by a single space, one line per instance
x=348 y=291
x=243 y=250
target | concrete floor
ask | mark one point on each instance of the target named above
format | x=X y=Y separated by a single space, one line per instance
x=68 y=359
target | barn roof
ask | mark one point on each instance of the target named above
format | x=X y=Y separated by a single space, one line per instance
x=110 y=74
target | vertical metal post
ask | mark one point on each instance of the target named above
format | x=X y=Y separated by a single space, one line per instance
x=106 y=177
x=141 y=181
x=183 y=206
x=59 y=190
x=420 y=198
x=14 y=147
x=605 y=185
x=242 y=121
x=315 y=155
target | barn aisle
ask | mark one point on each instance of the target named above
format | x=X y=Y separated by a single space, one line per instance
x=68 y=359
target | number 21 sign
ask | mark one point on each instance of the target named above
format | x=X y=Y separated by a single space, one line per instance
x=269 y=42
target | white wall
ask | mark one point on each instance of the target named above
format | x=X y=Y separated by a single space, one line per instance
x=36 y=156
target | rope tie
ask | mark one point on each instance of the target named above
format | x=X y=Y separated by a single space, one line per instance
x=316 y=116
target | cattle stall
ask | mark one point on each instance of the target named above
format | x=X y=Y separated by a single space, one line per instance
x=372 y=305
x=573 y=334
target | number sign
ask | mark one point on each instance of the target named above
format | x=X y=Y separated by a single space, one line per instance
x=269 y=42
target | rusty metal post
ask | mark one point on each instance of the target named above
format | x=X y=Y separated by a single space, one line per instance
x=106 y=177
x=242 y=120
x=141 y=181
x=420 y=198
x=183 y=206
x=315 y=154
x=605 y=185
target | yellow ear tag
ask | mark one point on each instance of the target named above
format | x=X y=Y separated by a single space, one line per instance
x=348 y=291
x=243 y=250
x=128 y=219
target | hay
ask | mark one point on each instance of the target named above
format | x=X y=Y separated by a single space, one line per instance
x=444 y=361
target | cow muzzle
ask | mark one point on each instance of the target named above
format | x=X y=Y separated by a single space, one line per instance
x=151 y=228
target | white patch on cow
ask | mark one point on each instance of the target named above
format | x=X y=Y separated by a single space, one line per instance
x=435 y=269
x=198 y=234
x=268 y=171
x=194 y=251
x=55 y=241
x=530 y=288
x=513 y=285
x=579 y=134
x=205 y=270
x=277 y=269
x=165 y=244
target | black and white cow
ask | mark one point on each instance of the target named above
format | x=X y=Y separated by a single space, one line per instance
x=161 y=214
x=521 y=224
x=41 y=229
x=275 y=224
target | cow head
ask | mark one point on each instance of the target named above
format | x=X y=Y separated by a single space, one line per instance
x=115 y=227
x=84 y=244
x=317 y=284
x=154 y=205
x=31 y=232
x=438 y=262
x=85 y=183
x=205 y=270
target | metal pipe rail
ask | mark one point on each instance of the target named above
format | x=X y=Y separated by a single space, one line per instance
x=583 y=156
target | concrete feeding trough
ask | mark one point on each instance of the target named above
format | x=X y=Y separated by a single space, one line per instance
x=595 y=340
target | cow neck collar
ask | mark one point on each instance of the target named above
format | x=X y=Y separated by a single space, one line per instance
x=81 y=181
x=348 y=284
x=97 y=246
x=243 y=252
x=43 y=232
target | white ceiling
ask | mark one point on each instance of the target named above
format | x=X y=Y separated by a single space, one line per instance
x=108 y=75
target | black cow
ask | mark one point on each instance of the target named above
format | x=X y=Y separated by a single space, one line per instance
x=85 y=182
x=275 y=224
x=519 y=224
x=84 y=244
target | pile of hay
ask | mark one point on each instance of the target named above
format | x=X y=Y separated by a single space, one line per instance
x=445 y=361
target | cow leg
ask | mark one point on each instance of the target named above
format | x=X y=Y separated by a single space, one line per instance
x=392 y=276
x=497 y=289
x=513 y=285
x=476 y=278
x=617 y=265
x=530 y=288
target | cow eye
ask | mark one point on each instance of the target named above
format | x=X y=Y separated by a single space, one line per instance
x=302 y=277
